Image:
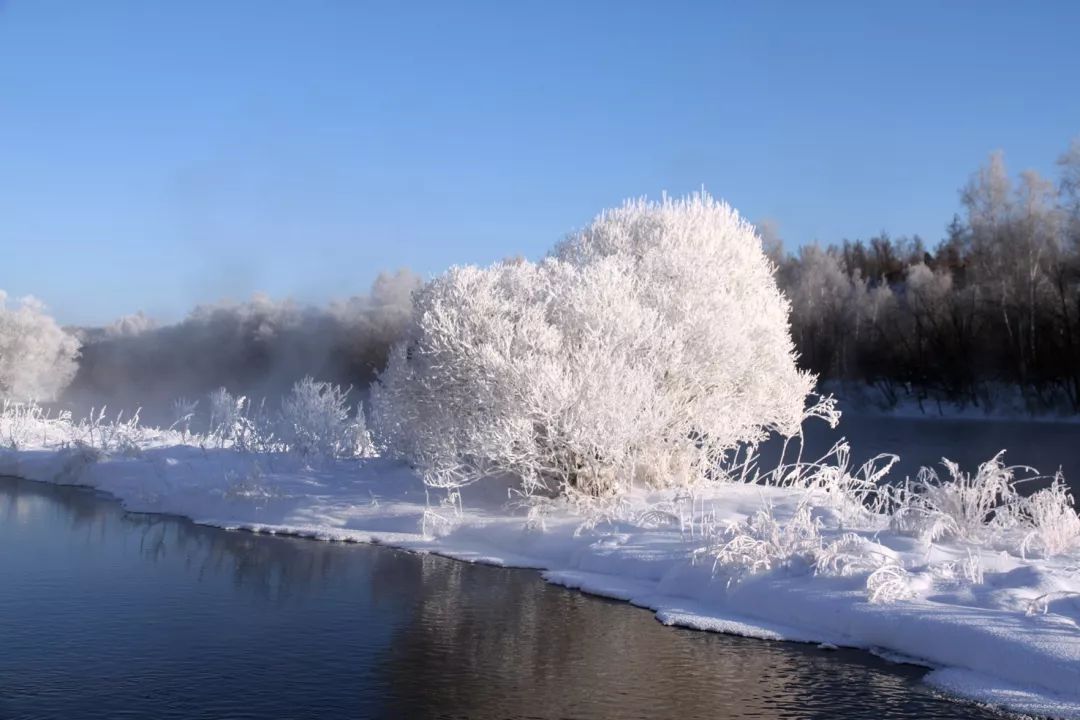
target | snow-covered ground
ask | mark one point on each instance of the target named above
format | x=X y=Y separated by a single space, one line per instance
x=800 y=562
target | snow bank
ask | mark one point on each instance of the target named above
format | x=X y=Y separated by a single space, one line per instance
x=996 y=627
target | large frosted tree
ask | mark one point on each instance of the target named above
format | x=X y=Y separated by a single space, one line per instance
x=642 y=349
x=37 y=358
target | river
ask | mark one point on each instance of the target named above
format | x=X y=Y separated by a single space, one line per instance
x=109 y=614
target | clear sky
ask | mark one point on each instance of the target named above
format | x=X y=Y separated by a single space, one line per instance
x=158 y=154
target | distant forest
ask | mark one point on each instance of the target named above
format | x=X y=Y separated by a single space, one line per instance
x=990 y=315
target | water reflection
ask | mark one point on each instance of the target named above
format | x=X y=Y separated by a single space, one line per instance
x=258 y=565
x=504 y=647
x=105 y=614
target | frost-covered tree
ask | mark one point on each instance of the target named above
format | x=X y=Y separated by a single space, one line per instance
x=315 y=421
x=991 y=314
x=821 y=296
x=130 y=325
x=37 y=358
x=643 y=348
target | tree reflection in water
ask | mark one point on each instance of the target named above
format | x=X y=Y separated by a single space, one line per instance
x=273 y=568
x=488 y=642
x=105 y=613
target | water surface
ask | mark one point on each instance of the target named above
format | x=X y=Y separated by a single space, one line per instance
x=107 y=614
x=1046 y=446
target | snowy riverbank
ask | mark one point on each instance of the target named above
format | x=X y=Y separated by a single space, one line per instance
x=995 y=627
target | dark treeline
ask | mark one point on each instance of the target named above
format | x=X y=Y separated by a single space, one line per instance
x=991 y=312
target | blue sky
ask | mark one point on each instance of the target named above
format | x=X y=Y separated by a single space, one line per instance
x=158 y=154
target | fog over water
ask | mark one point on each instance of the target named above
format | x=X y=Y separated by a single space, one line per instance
x=257 y=348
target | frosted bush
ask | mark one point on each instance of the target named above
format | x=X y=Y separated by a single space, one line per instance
x=888 y=584
x=37 y=358
x=24 y=425
x=849 y=555
x=761 y=543
x=987 y=508
x=1052 y=522
x=971 y=568
x=244 y=426
x=29 y=424
x=315 y=422
x=110 y=437
x=643 y=348
x=964 y=507
x=764 y=543
x=359 y=440
x=223 y=413
x=226 y=416
x=855 y=492
x=183 y=413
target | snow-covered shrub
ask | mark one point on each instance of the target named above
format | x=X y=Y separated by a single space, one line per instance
x=1052 y=523
x=761 y=543
x=888 y=584
x=987 y=507
x=226 y=413
x=971 y=568
x=849 y=555
x=255 y=427
x=855 y=492
x=315 y=422
x=359 y=442
x=37 y=358
x=963 y=507
x=109 y=437
x=24 y=425
x=244 y=426
x=183 y=413
x=764 y=543
x=644 y=347
x=29 y=424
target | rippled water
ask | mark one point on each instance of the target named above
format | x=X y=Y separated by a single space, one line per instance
x=106 y=614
